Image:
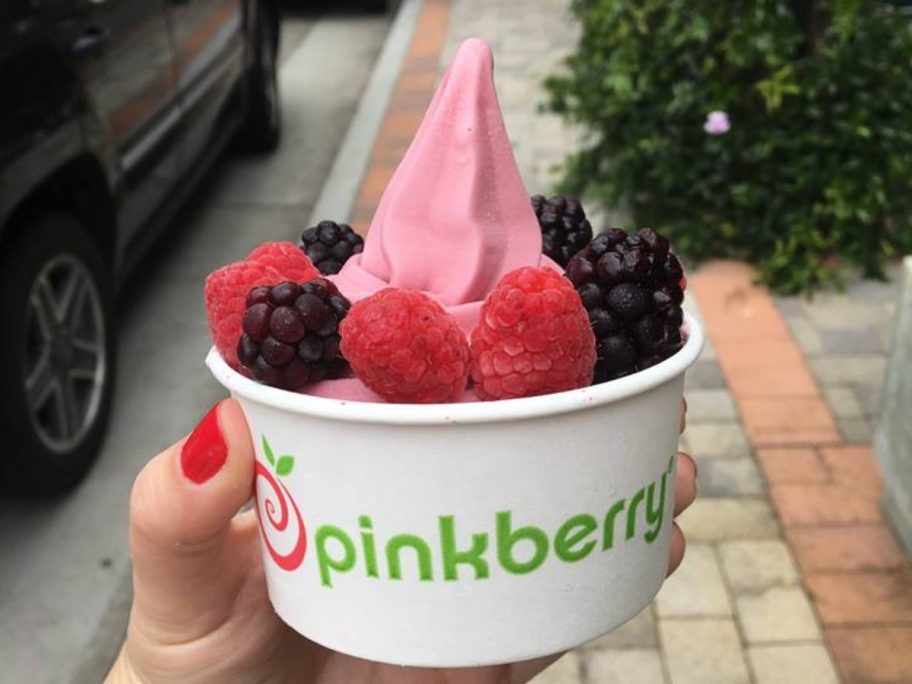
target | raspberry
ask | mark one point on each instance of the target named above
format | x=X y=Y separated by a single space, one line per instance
x=287 y=258
x=565 y=229
x=406 y=348
x=632 y=286
x=533 y=337
x=329 y=245
x=291 y=333
x=226 y=289
x=226 y=300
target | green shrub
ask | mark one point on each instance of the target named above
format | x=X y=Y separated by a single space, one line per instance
x=815 y=173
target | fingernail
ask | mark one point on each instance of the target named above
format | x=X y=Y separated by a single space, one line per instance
x=205 y=451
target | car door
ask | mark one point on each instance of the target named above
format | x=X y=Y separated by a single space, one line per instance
x=126 y=63
x=208 y=41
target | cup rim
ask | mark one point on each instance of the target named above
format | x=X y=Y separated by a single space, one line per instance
x=465 y=412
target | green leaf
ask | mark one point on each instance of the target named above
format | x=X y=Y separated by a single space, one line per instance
x=821 y=142
x=286 y=463
x=268 y=451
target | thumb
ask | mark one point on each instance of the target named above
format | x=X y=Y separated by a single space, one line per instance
x=189 y=561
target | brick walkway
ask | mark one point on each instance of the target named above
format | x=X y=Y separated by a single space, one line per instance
x=845 y=338
x=825 y=491
x=785 y=470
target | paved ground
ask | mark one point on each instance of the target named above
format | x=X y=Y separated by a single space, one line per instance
x=64 y=568
x=787 y=522
x=846 y=339
x=824 y=489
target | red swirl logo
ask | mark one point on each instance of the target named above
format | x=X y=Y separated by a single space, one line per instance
x=278 y=520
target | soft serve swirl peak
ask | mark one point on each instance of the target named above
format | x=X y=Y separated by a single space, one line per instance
x=455 y=216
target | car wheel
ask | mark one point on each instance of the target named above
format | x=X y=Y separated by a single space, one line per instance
x=57 y=355
x=263 y=126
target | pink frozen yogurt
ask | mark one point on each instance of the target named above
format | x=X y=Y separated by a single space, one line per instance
x=455 y=216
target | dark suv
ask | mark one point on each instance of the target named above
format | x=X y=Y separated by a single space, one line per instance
x=112 y=109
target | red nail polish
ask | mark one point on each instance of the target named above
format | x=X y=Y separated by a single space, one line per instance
x=205 y=451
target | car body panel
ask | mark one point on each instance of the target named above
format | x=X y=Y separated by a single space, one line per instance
x=209 y=45
x=150 y=90
x=130 y=81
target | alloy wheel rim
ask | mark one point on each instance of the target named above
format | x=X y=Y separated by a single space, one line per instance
x=65 y=366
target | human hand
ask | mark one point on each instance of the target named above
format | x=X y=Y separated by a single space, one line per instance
x=200 y=609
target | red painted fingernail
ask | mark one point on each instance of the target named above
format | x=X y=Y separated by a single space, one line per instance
x=205 y=451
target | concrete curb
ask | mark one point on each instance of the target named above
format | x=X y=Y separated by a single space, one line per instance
x=337 y=197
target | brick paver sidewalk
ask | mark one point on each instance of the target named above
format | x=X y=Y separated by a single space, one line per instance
x=781 y=391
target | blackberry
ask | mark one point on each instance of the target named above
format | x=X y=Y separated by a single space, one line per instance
x=329 y=245
x=290 y=333
x=631 y=285
x=564 y=226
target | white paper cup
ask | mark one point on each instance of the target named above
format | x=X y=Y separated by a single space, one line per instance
x=466 y=534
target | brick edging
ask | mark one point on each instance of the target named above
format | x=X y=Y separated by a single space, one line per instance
x=411 y=96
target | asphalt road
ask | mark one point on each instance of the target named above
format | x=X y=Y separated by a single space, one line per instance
x=64 y=566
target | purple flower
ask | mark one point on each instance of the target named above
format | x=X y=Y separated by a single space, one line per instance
x=717 y=123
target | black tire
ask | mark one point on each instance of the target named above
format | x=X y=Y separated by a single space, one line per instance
x=262 y=128
x=45 y=450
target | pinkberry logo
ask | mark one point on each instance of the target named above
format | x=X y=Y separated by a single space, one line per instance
x=636 y=517
x=288 y=509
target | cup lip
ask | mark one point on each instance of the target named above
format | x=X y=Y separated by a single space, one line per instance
x=465 y=412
